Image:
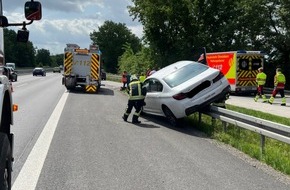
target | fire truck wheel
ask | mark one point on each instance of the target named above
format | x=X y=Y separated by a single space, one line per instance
x=5 y=163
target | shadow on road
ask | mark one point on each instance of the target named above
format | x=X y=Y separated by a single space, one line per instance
x=101 y=91
x=184 y=126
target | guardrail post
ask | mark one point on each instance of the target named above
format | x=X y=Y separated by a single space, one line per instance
x=213 y=121
x=224 y=126
x=199 y=118
x=262 y=145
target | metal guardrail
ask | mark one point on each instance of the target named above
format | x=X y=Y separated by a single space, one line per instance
x=29 y=71
x=263 y=127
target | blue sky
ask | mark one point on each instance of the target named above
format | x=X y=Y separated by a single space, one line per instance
x=70 y=21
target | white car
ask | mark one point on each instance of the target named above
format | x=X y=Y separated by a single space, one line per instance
x=182 y=88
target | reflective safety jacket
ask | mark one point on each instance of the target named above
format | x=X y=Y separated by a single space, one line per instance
x=136 y=90
x=279 y=80
x=142 y=78
x=261 y=78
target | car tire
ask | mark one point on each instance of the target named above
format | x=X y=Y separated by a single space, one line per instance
x=170 y=117
x=5 y=172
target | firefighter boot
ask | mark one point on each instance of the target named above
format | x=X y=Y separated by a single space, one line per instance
x=283 y=101
x=264 y=98
x=271 y=100
x=135 y=119
x=125 y=117
x=256 y=98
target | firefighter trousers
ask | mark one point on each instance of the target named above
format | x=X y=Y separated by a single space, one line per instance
x=137 y=104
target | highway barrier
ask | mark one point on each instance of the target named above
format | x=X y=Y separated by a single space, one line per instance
x=263 y=127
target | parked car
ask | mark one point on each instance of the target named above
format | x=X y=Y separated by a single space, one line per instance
x=56 y=69
x=103 y=74
x=12 y=74
x=39 y=71
x=182 y=88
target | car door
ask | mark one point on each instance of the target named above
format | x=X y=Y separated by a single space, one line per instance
x=153 y=97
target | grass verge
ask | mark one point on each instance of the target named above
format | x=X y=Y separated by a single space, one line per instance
x=276 y=154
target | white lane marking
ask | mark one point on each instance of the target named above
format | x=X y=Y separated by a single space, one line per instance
x=21 y=85
x=29 y=174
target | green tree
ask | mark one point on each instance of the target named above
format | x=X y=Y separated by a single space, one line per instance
x=22 y=54
x=176 y=32
x=136 y=63
x=111 y=37
x=43 y=57
x=269 y=30
x=57 y=60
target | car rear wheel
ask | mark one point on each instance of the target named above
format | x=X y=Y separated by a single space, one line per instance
x=170 y=116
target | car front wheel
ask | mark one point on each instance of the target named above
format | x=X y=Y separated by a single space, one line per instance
x=170 y=116
x=6 y=164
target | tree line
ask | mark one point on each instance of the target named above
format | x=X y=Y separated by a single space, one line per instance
x=178 y=29
x=25 y=55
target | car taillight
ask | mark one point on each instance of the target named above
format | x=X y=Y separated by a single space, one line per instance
x=217 y=78
x=180 y=96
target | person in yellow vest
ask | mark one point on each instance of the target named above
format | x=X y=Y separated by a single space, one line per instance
x=137 y=93
x=142 y=77
x=261 y=81
x=279 y=85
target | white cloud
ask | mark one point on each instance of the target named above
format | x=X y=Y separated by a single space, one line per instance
x=70 y=21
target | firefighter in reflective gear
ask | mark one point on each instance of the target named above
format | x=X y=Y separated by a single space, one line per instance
x=142 y=78
x=261 y=81
x=137 y=93
x=279 y=85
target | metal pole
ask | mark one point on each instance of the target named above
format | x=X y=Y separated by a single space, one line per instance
x=199 y=118
x=262 y=145
x=224 y=126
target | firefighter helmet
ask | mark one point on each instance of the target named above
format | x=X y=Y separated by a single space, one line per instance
x=134 y=77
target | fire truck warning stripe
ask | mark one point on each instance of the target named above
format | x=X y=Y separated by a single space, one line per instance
x=91 y=88
x=95 y=66
x=251 y=56
x=68 y=63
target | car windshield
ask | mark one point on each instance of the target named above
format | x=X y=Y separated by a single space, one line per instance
x=184 y=74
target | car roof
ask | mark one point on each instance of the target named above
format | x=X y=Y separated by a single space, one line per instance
x=171 y=68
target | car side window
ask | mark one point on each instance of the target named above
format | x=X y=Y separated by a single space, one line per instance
x=153 y=85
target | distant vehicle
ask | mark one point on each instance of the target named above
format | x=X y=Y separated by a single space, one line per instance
x=104 y=74
x=56 y=69
x=38 y=71
x=182 y=88
x=10 y=65
x=12 y=74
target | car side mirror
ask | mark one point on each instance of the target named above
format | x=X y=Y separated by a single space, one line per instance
x=22 y=36
x=3 y=21
x=32 y=10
